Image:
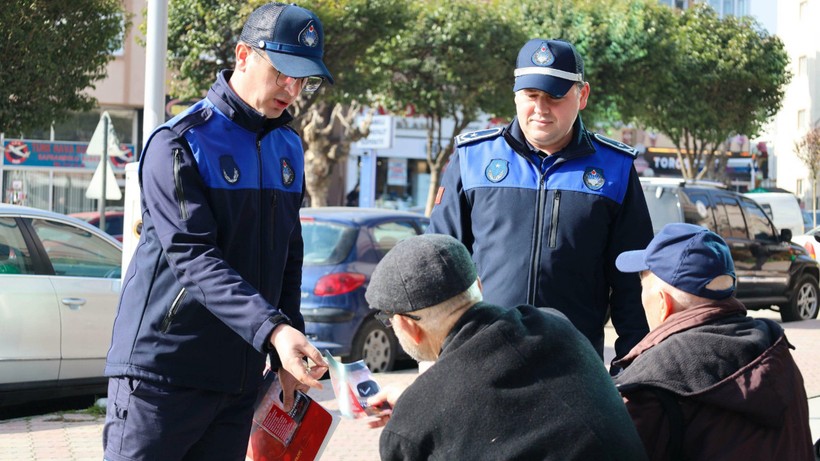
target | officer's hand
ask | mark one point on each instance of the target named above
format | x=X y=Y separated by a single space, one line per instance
x=293 y=348
x=289 y=387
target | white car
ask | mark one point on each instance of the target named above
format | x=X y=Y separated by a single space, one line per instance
x=810 y=242
x=59 y=288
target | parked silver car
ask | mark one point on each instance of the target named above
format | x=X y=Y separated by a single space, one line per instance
x=59 y=287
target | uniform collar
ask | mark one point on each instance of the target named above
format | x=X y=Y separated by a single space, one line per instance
x=579 y=146
x=229 y=103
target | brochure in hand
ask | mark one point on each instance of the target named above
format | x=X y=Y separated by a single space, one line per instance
x=301 y=433
x=352 y=383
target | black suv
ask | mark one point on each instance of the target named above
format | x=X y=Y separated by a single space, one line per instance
x=772 y=272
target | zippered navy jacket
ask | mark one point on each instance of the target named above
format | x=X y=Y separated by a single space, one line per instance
x=218 y=264
x=545 y=230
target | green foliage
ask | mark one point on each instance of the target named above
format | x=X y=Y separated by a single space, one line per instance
x=201 y=39
x=690 y=75
x=202 y=36
x=721 y=77
x=619 y=40
x=452 y=60
x=50 y=52
x=355 y=30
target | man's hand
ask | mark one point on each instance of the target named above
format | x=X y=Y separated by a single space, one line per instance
x=295 y=374
x=385 y=399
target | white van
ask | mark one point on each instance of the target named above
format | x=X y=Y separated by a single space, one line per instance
x=782 y=207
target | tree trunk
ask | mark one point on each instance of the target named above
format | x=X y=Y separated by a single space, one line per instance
x=435 y=172
x=327 y=133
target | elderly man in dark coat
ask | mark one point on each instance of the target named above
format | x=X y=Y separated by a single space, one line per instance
x=518 y=383
x=708 y=382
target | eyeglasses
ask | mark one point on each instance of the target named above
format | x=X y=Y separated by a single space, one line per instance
x=384 y=317
x=308 y=84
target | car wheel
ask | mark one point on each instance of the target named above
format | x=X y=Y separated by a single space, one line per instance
x=376 y=345
x=803 y=302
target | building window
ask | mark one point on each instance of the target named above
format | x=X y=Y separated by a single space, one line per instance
x=715 y=4
x=741 y=8
x=728 y=8
x=799 y=187
x=680 y=4
x=801 y=119
x=804 y=8
x=802 y=62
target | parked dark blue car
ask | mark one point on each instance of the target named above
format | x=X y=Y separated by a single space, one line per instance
x=342 y=247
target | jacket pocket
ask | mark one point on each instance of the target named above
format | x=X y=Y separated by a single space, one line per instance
x=172 y=311
x=556 y=206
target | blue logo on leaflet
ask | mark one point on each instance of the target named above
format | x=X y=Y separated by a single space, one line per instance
x=594 y=178
x=497 y=170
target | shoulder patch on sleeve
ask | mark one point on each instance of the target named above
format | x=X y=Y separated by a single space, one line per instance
x=617 y=145
x=191 y=120
x=473 y=136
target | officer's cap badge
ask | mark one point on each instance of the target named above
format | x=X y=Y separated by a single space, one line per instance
x=308 y=36
x=543 y=56
x=287 y=173
x=594 y=178
x=497 y=170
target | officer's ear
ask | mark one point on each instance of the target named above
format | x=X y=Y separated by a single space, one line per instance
x=582 y=103
x=243 y=54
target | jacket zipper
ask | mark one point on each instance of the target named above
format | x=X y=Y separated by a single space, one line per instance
x=166 y=322
x=183 y=210
x=536 y=252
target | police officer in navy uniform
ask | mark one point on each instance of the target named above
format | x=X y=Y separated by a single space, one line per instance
x=214 y=284
x=545 y=206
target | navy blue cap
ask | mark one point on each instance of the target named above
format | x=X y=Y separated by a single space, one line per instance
x=552 y=66
x=291 y=36
x=685 y=256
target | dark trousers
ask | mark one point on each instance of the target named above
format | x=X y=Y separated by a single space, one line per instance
x=151 y=421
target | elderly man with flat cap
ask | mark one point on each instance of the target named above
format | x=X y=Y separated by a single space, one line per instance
x=709 y=382
x=545 y=206
x=214 y=284
x=506 y=383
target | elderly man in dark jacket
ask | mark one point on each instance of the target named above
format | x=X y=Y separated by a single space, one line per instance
x=708 y=382
x=519 y=383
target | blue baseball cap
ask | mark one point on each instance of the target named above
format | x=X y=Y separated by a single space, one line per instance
x=685 y=256
x=552 y=66
x=291 y=36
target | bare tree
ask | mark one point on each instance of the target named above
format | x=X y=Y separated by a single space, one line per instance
x=327 y=138
x=807 y=150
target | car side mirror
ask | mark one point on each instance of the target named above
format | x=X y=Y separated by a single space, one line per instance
x=785 y=235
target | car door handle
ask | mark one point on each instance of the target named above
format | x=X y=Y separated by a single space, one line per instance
x=73 y=303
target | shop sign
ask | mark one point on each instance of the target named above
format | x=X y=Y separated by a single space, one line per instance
x=55 y=154
x=397 y=172
x=381 y=134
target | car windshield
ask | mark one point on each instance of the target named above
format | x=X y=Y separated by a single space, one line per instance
x=326 y=243
x=663 y=205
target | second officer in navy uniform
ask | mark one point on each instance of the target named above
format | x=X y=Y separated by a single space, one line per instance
x=545 y=206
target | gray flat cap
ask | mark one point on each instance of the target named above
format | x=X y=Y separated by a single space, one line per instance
x=420 y=272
